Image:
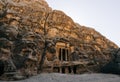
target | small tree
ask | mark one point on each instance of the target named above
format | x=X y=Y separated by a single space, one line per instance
x=47 y=44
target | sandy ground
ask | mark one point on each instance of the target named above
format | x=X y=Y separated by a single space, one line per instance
x=55 y=77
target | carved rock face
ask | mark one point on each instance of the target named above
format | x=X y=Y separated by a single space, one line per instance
x=29 y=23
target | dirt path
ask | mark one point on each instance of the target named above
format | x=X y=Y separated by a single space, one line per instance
x=54 y=77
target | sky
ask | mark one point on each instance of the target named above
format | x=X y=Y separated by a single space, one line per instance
x=102 y=15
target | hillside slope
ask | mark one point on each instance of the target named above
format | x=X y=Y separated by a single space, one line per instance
x=25 y=26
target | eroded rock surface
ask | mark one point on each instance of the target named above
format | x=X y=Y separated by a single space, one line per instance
x=25 y=26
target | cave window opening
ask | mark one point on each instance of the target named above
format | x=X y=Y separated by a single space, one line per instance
x=63 y=70
x=74 y=69
x=69 y=69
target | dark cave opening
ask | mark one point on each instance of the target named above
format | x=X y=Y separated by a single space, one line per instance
x=2 y=66
x=74 y=69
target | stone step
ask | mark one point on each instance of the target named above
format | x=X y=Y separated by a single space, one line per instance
x=10 y=73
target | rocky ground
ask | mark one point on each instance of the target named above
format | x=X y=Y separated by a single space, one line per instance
x=54 y=77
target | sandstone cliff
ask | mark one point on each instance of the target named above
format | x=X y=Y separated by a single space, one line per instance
x=26 y=24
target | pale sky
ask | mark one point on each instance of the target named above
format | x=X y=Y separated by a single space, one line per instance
x=102 y=15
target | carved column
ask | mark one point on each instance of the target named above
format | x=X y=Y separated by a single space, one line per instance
x=66 y=54
x=60 y=70
x=72 y=70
